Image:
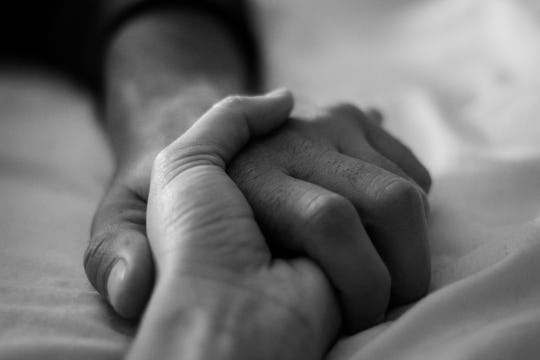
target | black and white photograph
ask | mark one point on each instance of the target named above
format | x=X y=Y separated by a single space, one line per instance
x=269 y=179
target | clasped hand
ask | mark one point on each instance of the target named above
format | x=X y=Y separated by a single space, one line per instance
x=268 y=248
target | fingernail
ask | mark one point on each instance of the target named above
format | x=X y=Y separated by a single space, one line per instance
x=114 y=282
x=279 y=92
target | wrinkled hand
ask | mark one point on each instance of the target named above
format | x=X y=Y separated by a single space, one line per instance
x=335 y=188
x=338 y=189
x=219 y=294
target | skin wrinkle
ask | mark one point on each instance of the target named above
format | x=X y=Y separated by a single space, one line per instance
x=360 y=174
x=368 y=154
x=171 y=166
x=357 y=176
x=220 y=279
x=353 y=175
x=211 y=226
x=139 y=207
x=115 y=226
x=369 y=132
x=300 y=151
x=191 y=152
x=288 y=149
x=202 y=237
x=181 y=218
x=97 y=256
x=233 y=106
x=136 y=216
x=377 y=181
x=270 y=289
x=272 y=199
x=98 y=243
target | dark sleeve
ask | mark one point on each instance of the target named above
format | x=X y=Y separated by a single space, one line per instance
x=234 y=15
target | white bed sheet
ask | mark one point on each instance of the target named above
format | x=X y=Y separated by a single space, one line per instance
x=54 y=165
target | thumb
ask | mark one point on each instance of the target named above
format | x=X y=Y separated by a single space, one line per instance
x=227 y=127
x=118 y=260
x=194 y=207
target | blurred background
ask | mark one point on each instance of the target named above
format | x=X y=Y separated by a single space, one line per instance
x=54 y=34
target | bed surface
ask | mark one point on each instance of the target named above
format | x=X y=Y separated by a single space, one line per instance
x=53 y=168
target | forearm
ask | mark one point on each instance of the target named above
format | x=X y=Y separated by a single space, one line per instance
x=163 y=67
x=163 y=70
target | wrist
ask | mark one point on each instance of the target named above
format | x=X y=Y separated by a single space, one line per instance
x=164 y=70
x=205 y=318
x=191 y=320
x=138 y=133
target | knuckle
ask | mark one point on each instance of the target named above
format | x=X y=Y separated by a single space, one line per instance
x=397 y=197
x=330 y=214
